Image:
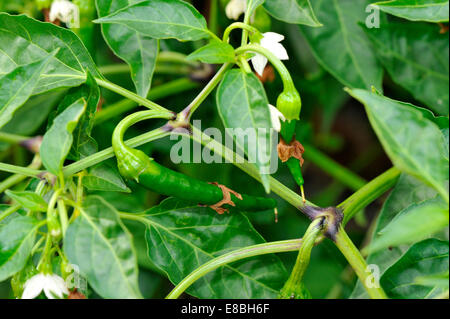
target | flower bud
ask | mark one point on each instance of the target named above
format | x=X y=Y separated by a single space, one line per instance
x=289 y=103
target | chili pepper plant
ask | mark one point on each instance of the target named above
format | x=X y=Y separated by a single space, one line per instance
x=224 y=149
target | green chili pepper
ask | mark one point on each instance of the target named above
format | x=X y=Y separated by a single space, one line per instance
x=134 y=164
x=289 y=103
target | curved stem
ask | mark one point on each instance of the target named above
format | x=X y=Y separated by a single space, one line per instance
x=368 y=193
x=12 y=138
x=109 y=152
x=9 y=211
x=130 y=95
x=17 y=178
x=281 y=68
x=359 y=265
x=250 y=251
x=237 y=25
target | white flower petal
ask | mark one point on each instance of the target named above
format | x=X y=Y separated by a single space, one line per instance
x=276 y=116
x=259 y=63
x=33 y=286
x=273 y=37
x=55 y=287
x=65 y=11
x=279 y=51
x=235 y=8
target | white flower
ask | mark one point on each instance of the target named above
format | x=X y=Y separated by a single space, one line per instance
x=66 y=12
x=276 y=116
x=52 y=285
x=235 y=8
x=270 y=41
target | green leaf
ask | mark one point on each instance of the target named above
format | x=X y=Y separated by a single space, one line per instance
x=183 y=236
x=161 y=19
x=102 y=177
x=425 y=258
x=414 y=223
x=252 y=5
x=98 y=243
x=413 y=143
x=293 y=11
x=216 y=52
x=416 y=57
x=29 y=200
x=417 y=10
x=83 y=144
x=16 y=241
x=341 y=46
x=137 y=50
x=407 y=191
x=17 y=86
x=58 y=139
x=24 y=40
x=244 y=107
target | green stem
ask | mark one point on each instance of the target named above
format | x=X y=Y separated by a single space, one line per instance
x=193 y=106
x=101 y=156
x=9 y=211
x=281 y=68
x=247 y=17
x=63 y=217
x=19 y=170
x=239 y=254
x=293 y=287
x=237 y=25
x=359 y=265
x=336 y=170
x=130 y=95
x=158 y=92
x=213 y=11
x=368 y=193
x=17 y=178
x=12 y=138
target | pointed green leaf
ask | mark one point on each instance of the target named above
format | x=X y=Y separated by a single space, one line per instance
x=161 y=19
x=216 y=52
x=137 y=50
x=29 y=200
x=244 y=108
x=414 y=143
x=182 y=236
x=17 y=86
x=98 y=243
x=293 y=11
x=58 y=139
x=16 y=241
x=417 y=10
x=24 y=40
x=341 y=46
x=416 y=57
x=105 y=178
x=425 y=258
x=414 y=223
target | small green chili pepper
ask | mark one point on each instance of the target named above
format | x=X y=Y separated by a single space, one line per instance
x=134 y=164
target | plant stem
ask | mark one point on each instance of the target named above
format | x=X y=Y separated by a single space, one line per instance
x=356 y=260
x=368 y=193
x=158 y=92
x=250 y=251
x=108 y=153
x=19 y=170
x=213 y=10
x=193 y=106
x=244 y=39
x=237 y=25
x=130 y=95
x=9 y=211
x=293 y=288
x=12 y=138
x=17 y=178
x=336 y=170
